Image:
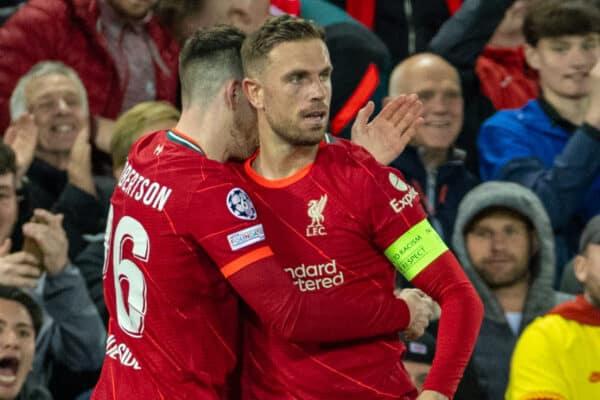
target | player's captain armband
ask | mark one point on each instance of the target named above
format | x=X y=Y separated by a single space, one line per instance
x=412 y=252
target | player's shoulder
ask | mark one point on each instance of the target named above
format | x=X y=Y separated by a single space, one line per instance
x=347 y=156
x=339 y=148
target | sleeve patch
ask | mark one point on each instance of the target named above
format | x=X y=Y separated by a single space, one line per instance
x=246 y=237
x=412 y=252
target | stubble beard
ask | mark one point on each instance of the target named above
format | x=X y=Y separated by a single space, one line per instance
x=294 y=135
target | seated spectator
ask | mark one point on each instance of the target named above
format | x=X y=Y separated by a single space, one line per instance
x=434 y=167
x=503 y=240
x=20 y=323
x=143 y=118
x=50 y=136
x=118 y=48
x=551 y=145
x=557 y=356
x=72 y=335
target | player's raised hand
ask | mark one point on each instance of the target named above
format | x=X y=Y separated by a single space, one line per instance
x=22 y=137
x=421 y=309
x=386 y=136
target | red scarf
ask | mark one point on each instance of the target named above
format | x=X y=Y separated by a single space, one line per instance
x=579 y=310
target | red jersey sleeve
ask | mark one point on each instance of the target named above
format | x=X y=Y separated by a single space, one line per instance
x=234 y=238
x=401 y=230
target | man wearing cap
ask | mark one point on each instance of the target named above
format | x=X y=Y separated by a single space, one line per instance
x=557 y=355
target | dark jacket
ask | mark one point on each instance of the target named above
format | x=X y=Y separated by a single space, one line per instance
x=48 y=188
x=33 y=392
x=68 y=31
x=496 y=340
x=450 y=183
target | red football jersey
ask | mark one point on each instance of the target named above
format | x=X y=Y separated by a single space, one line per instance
x=329 y=225
x=173 y=328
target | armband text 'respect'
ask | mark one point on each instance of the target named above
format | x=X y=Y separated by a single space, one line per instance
x=412 y=252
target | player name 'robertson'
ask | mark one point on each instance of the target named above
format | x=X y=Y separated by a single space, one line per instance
x=134 y=185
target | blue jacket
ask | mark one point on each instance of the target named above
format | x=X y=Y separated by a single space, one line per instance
x=525 y=146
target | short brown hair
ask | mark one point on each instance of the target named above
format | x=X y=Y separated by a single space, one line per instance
x=209 y=58
x=553 y=18
x=276 y=30
x=130 y=126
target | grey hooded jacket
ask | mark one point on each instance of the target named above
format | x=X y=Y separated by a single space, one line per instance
x=496 y=340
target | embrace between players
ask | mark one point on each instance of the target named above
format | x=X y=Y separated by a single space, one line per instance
x=307 y=231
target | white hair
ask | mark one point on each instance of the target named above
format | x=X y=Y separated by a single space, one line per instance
x=18 y=104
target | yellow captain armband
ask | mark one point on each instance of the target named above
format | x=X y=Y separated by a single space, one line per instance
x=412 y=252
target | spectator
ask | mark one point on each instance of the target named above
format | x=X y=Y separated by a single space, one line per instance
x=72 y=334
x=435 y=167
x=143 y=118
x=20 y=322
x=120 y=51
x=461 y=40
x=503 y=240
x=50 y=136
x=557 y=355
x=551 y=145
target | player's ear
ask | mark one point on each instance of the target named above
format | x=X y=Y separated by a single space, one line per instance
x=253 y=91
x=233 y=90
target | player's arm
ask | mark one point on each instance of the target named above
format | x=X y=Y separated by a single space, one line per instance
x=401 y=229
x=462 y=311
x=235 y=240
x=269 y=291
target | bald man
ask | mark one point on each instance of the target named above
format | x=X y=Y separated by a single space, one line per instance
x=433 y=165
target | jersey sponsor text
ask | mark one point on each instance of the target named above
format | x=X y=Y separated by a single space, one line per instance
x=310 y=278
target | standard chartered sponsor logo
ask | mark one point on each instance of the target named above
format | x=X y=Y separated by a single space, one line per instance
x=310 y=278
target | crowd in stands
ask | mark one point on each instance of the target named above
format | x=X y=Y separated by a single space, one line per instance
x=506 y=164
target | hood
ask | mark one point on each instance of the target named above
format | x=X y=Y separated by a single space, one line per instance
x=540 y=297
